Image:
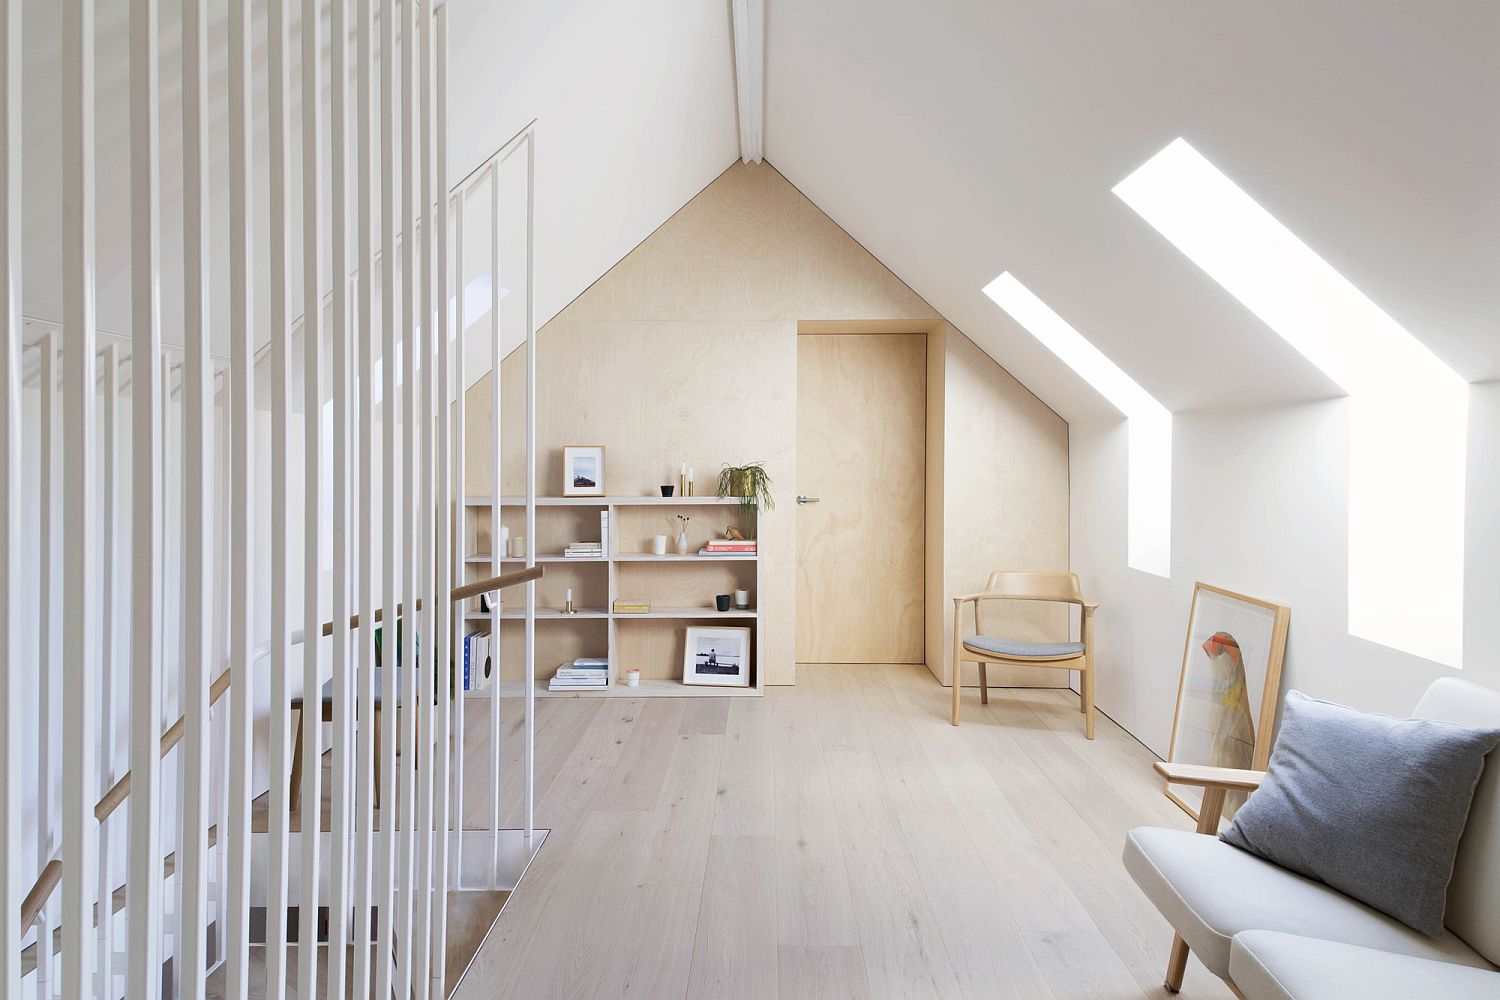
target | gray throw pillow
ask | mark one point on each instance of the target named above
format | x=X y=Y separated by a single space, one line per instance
x=1370 y=805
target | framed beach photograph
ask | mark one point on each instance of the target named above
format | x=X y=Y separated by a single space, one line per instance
x=583 y=470
x=1229 y=687
x=719 y=657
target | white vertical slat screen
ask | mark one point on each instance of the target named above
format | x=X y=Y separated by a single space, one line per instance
x=340 y=378
x=104 y=885
x=446 y=574
x=143 y=884
x=48 y=653
x=528 y=739
x=279 y=813
x=497 y=397
x=81 y=639
x=310 y=736
x=420 y=953
x=169 y=570
x=240 y=575
x=389 y=474
x=196 y=532
x=12 y=868
x=411 y=557
x=364 y=640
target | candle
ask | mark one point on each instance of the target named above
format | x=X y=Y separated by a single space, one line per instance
x=570 y=595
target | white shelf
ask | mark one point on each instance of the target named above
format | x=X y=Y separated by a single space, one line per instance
x=484 y=558
x=654 y=688
x=542 y=614
x=695 y=501
x=647 y=557
x=691 y=613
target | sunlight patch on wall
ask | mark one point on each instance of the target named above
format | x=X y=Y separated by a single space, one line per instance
x=1149 y=424
x=1408 y=419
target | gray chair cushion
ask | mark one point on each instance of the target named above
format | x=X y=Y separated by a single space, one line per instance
x=1267 y=965
x=1371 y=805
x=1001 y=646
x=1210 y=891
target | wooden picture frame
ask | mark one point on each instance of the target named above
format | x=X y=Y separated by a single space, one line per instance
x=1230 y=682
x=583 y=470
x=716 y=656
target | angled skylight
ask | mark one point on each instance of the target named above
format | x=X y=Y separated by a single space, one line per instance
x=1408 y=411
x=1149 y=424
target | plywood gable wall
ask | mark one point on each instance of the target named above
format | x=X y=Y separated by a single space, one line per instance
x=685 y=351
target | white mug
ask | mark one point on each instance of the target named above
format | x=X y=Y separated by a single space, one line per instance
x=518 y=546
x=742 y=600
x=658 y=545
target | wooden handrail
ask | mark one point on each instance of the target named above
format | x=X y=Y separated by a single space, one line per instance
x=31 y=906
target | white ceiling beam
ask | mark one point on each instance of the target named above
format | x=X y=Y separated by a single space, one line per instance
x=750 y=73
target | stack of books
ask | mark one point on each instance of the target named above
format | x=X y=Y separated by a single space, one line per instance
x=630 y=606
x=584 y=550
x=478 y=663
x=729 y=547
x=587 y=673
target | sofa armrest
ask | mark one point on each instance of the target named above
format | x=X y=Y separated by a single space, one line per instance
x=1230 y=779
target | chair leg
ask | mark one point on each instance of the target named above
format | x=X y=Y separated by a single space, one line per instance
x=296 y=790
x=1176 y=964
x=1082 y=682
x=984 y=684
x=958 y=675
x=1088 y=699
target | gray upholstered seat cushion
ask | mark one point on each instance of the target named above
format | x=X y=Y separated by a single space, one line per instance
x=1209 y=891
x=1001 y=646
x=1267 y=965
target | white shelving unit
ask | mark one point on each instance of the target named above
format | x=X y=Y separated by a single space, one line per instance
x=649 y=687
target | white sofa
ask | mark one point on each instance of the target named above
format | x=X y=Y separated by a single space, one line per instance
x=1274 y=935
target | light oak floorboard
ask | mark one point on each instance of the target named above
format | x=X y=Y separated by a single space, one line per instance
x=835 y=839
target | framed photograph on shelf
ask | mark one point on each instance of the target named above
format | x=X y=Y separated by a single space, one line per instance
x=719 y=657
x=1229 y=687
x=583 y=470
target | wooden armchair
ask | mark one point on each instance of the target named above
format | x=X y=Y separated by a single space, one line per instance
x=985 y=649
x=1215 y=782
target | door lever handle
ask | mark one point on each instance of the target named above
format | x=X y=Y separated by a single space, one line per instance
x=801 y=499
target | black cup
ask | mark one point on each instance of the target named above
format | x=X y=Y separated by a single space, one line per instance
x=666 y=491
x=722 y=602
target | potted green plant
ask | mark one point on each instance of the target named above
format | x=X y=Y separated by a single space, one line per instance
x=752 y=484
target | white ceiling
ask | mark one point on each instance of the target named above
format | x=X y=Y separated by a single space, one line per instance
x=955 y=141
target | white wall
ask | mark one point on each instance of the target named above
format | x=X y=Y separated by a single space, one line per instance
x=1260 y=505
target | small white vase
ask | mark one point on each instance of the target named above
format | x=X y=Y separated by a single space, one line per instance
x=682 y=542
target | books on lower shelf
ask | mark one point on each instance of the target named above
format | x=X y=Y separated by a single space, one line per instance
x=587 y=673
x=729 y=547
x=631 y=606
x=477 y=661
x=584 y=550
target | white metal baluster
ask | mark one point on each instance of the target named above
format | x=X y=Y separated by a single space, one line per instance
x=219 y=714
x=81 y=641
x=11 y=873
x=422 y=933
x=444 y=510
x=235 y=838
x=48 y=639
x=389 y=473
x=312 y=411
x=172 y=506
x=343 y=698
x=109 y=508
x=198 y=650
x=529 y=747
x=411 y=417
x=143 y=884
x=497 y=598
x=279 y=813
x=460 y=529
x=365 y=639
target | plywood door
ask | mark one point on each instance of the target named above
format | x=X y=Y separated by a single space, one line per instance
x=861 y=450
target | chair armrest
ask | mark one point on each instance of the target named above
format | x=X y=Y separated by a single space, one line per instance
x=1205 y=776
x=985 y=595
x=1089 y=607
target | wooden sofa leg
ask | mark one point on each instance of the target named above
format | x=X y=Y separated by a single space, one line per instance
x=1176 y=963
